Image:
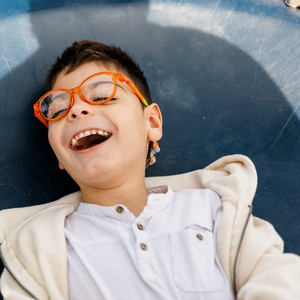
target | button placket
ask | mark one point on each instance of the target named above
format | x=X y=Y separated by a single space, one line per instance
x=142 y=251
x=141 y=235
x=142 y=246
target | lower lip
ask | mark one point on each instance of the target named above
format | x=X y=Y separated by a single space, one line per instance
x=90 y=149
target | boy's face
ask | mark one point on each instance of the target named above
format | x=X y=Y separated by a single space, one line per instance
x=129 y=128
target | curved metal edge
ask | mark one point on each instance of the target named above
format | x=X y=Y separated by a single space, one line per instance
x=293 y=3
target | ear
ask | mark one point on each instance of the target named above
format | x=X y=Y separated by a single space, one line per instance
x=60 y=166
x=155 y=122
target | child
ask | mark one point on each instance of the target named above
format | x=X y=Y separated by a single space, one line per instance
x=189 y=236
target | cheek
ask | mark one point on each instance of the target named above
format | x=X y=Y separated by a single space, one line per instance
x=138 y=129
x=135 y=123
x=53 y=138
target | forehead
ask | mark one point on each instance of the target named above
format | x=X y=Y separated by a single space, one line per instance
x=75 y=78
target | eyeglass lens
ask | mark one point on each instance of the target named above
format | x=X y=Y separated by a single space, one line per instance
x=97 y=89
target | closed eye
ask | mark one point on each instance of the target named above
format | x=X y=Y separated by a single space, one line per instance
x=102 y=99
x=99 y=99
x=57 y=114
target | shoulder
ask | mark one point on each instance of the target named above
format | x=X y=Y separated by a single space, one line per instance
x=232 y=177
x=199 y=195
x=10 y=217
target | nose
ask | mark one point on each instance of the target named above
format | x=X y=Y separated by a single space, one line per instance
x=79 y=109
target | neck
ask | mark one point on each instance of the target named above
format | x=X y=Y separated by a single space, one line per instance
x=132 y=194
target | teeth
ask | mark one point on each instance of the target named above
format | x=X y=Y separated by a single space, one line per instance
x=87 y=133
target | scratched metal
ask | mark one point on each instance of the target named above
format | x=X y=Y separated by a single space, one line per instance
x=225 y=73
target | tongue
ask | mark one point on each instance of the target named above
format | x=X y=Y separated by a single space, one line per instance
x=89 y=141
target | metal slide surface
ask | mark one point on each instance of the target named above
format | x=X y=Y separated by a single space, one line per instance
x=226 y=75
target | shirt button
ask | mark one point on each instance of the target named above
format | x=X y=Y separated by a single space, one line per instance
x=143 y=246
x=199 y=236
x=140 y=226
x=119 y=209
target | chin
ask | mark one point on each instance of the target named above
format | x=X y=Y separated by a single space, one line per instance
x=96 y=176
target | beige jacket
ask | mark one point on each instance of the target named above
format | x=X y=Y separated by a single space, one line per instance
x=35 y=256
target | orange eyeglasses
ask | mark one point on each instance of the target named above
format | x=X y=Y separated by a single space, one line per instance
x=95 y=90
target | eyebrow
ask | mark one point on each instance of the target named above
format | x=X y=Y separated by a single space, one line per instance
x=95 y=84
x=121 y=87
x=53 y=98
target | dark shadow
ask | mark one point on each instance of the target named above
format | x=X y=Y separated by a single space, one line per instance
x=215 y=99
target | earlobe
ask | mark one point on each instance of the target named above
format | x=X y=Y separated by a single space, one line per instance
x=60 y=166
x=155 y=122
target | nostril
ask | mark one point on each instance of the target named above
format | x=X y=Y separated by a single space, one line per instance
x=73 y=116
x=84 y=112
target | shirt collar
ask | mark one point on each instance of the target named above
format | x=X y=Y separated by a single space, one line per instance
x=158 y=198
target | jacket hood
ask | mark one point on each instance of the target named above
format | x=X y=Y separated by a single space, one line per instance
x=233 y=177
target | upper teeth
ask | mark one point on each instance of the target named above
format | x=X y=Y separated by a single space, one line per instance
x=87 y=133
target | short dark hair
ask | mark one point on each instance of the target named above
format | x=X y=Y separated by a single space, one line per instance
x=88 y=51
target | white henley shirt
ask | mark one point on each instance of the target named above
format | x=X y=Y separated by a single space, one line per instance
x=167 y=252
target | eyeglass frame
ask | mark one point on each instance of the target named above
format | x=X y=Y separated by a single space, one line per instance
x=115 y=77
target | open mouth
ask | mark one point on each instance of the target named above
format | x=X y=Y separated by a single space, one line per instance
x=89 y=139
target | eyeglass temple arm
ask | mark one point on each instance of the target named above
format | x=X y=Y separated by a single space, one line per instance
x=131 y=85
x=38 y=115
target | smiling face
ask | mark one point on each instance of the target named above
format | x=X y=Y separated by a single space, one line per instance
x=100 y=146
